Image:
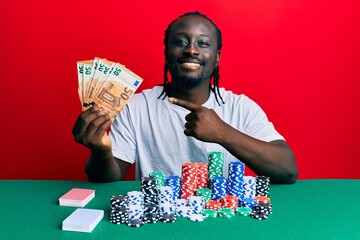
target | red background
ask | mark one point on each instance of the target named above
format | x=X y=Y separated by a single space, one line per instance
x=299 y=60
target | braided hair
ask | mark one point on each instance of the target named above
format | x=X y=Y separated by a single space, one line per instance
x=215 y=76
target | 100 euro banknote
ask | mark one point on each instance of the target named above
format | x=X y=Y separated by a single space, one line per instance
x=106 y=83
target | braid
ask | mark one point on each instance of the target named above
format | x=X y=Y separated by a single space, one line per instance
x=215 y=75
x=166 y=83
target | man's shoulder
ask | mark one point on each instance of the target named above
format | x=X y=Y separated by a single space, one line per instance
x=230 y=96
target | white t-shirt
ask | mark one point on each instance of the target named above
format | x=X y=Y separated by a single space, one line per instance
x=150 y=131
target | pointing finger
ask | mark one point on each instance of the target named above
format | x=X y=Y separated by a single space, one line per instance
x=185 y=104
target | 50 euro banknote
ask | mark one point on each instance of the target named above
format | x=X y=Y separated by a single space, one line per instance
x=105 y=83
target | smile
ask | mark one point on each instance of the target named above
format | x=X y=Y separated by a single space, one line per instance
x=190 y=65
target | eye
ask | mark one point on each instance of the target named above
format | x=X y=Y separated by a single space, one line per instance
x=203 y=44
x=180 y=42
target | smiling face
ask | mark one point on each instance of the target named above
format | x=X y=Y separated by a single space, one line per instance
x=192 y=52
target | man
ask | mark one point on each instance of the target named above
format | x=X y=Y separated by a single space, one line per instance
x=185 y=118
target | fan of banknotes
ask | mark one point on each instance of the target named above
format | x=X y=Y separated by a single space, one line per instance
x=107 y=84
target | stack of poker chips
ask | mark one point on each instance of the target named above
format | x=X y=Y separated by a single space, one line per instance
x=215 y=165
x=229 y=202
x=262 y=208
x=218 y=187
x=188 y=184
x=151 y=213
x=175 y=183
x=262 y=186
x=236 y=179
x=204 y=193
x=119 y=209
x=160 y=178
x=166 y=204
x=249 y=186
x=166 y=197
x=136 y=208
x=149 y=189
x=201 y=175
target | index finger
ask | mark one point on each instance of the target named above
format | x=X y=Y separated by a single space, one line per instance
x=185 y=104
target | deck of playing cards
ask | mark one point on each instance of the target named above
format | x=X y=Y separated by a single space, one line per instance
x=82 y=220
x=77 y=197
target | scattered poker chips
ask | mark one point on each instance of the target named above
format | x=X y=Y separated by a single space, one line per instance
x=226 y=213
x=135 y=223
x=197 y=217
x=243 y=211
x=209 y=213
x=201 y=192
x=168 y=218
x=259 y=215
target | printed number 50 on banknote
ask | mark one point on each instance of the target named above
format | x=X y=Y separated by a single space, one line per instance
x=118 y=88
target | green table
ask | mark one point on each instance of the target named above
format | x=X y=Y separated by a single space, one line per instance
x=309 y=209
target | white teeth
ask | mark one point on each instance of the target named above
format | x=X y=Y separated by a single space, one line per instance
x=191 y=64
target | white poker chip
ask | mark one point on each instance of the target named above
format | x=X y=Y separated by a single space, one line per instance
x=197 y=217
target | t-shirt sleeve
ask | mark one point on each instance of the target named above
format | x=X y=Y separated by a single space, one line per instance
x=256 y=123
x=123 y=138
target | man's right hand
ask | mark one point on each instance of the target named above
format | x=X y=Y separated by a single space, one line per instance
x=91 y=127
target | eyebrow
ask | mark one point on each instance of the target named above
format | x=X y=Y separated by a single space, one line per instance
x=183 y=33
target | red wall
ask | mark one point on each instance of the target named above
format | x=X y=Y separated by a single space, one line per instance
x=300 y=60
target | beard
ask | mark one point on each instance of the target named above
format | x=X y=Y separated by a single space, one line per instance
x=185 y=82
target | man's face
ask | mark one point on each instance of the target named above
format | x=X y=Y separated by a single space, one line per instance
x=192 y=51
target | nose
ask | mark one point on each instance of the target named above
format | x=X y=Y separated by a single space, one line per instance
x=192 y=49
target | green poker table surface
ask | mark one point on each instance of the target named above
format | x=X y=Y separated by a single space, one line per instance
x=308 y=209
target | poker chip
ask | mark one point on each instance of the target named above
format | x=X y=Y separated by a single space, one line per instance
x=226 y=213
x=259 y=216
x=209 y=213
x=243 y=211
x=168 y=218
x=151 y=217
x=262 y=199
x=197 y=217
x=135 y=223
x=205 y=193
x=213 y=204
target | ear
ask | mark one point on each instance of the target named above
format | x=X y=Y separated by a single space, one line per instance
x=218 y=57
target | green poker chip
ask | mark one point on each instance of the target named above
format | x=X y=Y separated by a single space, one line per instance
x=243 y=211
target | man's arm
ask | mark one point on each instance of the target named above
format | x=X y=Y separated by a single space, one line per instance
x=273 y=159
x=90 y=130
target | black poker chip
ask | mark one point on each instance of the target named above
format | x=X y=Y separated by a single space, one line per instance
x=259 y=215
x=151 y=217
x=135 y=223
x=168 y=218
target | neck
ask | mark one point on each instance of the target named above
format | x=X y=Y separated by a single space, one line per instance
x=198 y=95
